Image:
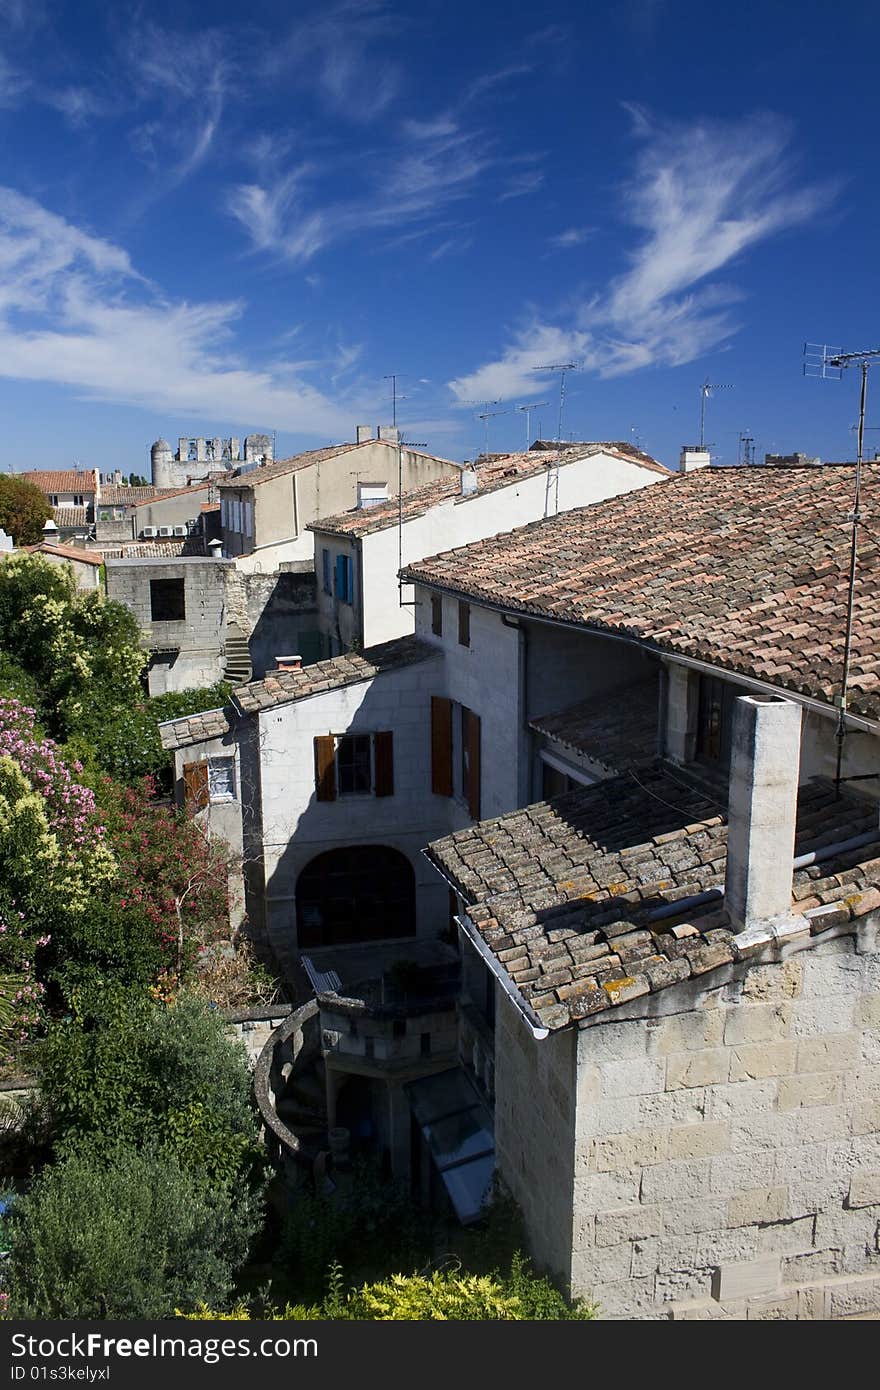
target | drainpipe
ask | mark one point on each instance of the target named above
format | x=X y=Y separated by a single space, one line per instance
x=533 y=1023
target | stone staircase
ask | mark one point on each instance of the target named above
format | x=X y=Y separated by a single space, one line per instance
x=237 y=667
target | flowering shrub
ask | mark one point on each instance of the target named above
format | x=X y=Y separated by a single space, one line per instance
x=22 y=995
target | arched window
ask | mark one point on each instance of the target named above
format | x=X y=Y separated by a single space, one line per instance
x=361 y=893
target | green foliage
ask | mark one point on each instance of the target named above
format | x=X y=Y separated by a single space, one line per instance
x=123 y=740
x=126 y=1068
x=18 y=684
x=82 y=649
x=437 y=1295
x=111 y=1232
x=23 y=509
x=375 y=1220
x=107 y=941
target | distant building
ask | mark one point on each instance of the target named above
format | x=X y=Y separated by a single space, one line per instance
x=197 y=457
x=796 y=460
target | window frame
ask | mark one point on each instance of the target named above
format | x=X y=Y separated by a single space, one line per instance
x=371 y=768
x=179 y=618
x=228 y=761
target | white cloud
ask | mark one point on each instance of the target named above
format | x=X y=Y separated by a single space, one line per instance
x=700 y=196
x=521 y=185
x=572 y=236
x=333 y=52
x=74 y=311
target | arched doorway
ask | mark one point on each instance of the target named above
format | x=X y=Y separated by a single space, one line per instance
x=360 y=893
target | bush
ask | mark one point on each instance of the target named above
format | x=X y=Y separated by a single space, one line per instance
x=128 y=1069
x=441 y=1295
x=121 y=1234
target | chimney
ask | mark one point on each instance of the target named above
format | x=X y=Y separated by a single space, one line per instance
x=693 y=456
x=364 y=433
x=389 y=434
x=50 y=531
x=762 y=808
x=468 y=480
x=215 y=548
x=288 y=663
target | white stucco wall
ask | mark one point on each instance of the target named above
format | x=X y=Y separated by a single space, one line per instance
x=296 y=827
x=458 y=521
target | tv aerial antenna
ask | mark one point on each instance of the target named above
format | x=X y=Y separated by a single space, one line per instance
x=830 y=363
x=400 y=444
x=528 y=413
x=746 y=449
x=486 y=416
x=562 y=368
x=706 y=389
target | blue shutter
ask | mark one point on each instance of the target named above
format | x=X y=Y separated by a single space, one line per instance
x=349 y=576
x=340 y=576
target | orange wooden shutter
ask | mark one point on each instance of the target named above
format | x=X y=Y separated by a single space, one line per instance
x=473 y=744
x=383 y=748
x=325 y=767
x=195 y=786
x=441 y=745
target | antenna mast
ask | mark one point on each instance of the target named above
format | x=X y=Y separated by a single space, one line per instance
x=488 y=415
x=706 y=389
x=528 y=410
x=830 y=364
x=746 y=449
x=562 y=368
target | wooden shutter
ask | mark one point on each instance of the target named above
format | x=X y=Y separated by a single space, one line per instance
x=441 y=745
x=472 y=790
x=195 y=786
x=383 y=751
x=325 y=767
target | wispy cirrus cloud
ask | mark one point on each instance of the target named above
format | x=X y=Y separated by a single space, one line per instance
x=572 y=236
x=700 y=196
x=331 y=52
x=177 y=140
x=75 y=312
x=522 y=185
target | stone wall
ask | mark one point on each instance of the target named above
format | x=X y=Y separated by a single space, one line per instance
x=728 y=1143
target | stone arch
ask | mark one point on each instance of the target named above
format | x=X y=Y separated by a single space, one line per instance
x=355 y=894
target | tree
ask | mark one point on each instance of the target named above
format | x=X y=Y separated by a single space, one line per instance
x=115 y=1233
x=127 y=1069
x=23 y=509
x=83 y=649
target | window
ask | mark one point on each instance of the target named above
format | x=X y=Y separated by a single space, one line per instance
x=79 y=499
x=327 y=571
x=221 y=779
x=715 y=720
x=464 y=624
x=354 y=765
x=196 y=792
x=192 y=449
x=167 y=603
x=437 y=615
x=118 y=513
x=53 y=499
x=361 y=893
x=345 y=578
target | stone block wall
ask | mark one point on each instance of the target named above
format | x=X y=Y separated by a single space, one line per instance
x=727 y=1147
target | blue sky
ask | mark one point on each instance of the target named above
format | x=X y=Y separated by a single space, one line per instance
x=216 y=218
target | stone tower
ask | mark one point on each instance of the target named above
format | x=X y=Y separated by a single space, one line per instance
x=162 y=470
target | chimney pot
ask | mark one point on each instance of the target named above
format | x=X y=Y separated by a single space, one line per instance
x=693 y=456
x=364 y=433
x=288 y=663
x=468 y=481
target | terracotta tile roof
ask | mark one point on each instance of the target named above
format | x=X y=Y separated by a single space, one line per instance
x=161 y=494
x=195 y=728
x=618 y=733
x=493 y=471
x=62 y=480
x=264 y=472
x=281 y=687
x=145 y=550
x=121 y=495
x=744 y=568
x=69 y=552
x=562 y=892
x=66 y=518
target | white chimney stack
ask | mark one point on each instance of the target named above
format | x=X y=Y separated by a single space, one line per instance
x=468 y=480
x=693 y=457
x=364 y=433
x=288 y=663
x=762 y=808
x=389 y=434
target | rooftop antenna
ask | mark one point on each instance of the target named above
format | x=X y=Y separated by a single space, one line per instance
x=562 y=368
x=830 y=364
x=487 y=415
x=706 y=389
x=636 y=437
x=393 y=378
x=528 y=410
x=746 y=449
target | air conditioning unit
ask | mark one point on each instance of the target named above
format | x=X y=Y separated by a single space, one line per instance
x=179 y=531
x=148 y=531
x=164 y=530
